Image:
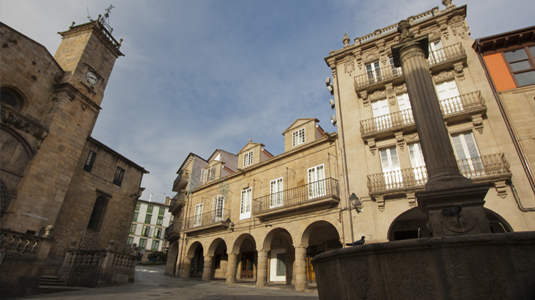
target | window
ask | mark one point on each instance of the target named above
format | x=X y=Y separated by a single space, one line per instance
x=248 y=159
x=395 y=71
x=436 y=53
x=197 y=218
x=155 y=245
x=203 y=175
x=404 y=105
x=150 y=208
x=316 y=182
x=467 y=154
x=276 y=191
x=158 y=233
x=374 y=72
x=159 y=221
x=129 y=241
x=11 y=98
x=161 y=212
x=145 y=231
x=381 y=114
x=119 y=174
x=217 y=209
x=133 y=228
x=97 y=214
x=522 y=65
x=298 y=137
x=448 y=95
x=245 y=203
x=138 y=205
x=90 y=160
x=212 y=173
x=417 y=163
x=142 y=243
x=148 y=218
x=135 y=217
x=391 y=168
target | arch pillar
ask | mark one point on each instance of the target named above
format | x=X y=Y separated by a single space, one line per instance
x=232 y=268
x=301 y=282
x=186 y=267
x=207 y=270
x=261 y=276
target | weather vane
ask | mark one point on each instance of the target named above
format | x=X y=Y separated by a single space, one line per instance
x=104 y=20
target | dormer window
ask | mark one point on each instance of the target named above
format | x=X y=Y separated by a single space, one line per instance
x=212 y=173
x=248 y=159
x=298 y=137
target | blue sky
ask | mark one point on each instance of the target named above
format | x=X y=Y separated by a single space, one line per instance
x=204 y=75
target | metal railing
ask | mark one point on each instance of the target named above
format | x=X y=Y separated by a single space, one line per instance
x=486 y=165
x=446 y=53
x=174 y=227
x=176 y=203
x=298 y=195
x=214 y=217
x=380 y=74
x=396 y=120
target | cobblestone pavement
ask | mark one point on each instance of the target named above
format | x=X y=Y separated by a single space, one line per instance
x=151 y=283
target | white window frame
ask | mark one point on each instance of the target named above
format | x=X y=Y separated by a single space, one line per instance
x=276 y=188
x=212 y=173
x=218 y=208
x=316 y=181
x=245 y=203
x=204 y=175
x=248 y=159
x=381 y=114
x=467 y=152
x=373 y=70
x=436 y=52
x=391 y=170
x=417 y=162
x=449 y=97
x=197 y=217
x=298 y=137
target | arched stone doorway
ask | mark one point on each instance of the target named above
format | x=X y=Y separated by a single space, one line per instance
x=242 y=260
x=280 y=257
x=412 y=225
x=318 y=237
x=219 y=259
x=193 y=262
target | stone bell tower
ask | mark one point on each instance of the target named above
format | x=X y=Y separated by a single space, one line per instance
x=86 y=56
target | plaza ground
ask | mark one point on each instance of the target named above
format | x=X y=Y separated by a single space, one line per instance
x=151 y=283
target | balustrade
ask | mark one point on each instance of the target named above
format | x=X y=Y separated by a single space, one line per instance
x=446 y=53
x=14 y=242
x=217 y=216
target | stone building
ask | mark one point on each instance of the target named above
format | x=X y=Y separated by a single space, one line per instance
x=258 y=217
x=362 y=181
x=379 y=142
x=55 y=177
x=148 y=224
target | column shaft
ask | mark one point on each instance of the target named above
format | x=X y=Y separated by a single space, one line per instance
x=232 y=268
x=301 y=282
x=261 y=276
x=207 y=270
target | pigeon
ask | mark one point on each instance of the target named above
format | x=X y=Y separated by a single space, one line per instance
x=452 y=211
x=357 y=243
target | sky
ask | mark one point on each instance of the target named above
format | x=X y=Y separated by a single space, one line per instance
x=211 y=74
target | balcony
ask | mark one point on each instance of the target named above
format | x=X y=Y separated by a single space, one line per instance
x=311 y=197
x=454 y=108
x=439 y=60
x=211 y=221
x=172 y=233
x=181 y=181
x=176 y=205
x=485 y=168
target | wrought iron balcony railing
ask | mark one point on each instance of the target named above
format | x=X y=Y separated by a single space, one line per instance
x=466 y=103
x=173 y=231
x=447 y=53
x=215 y=217
x=299 y=195
x=413 y=178
x=378 y=75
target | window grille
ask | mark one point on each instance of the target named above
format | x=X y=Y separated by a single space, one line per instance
x=90 y=160
x=298 y=137
x=248 y=159
x=119 y=174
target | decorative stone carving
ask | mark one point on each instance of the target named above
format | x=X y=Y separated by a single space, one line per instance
x=448 y=4
x=381 y=94
x=48 y=231
x=458 y=25
x=412 y=199
x=349 y=65
x=443 y=76
x=400 y=88
x=477 y=120
x=501 y=188
x=400 y=140
x=333 y=69
x=372 y=146
x=371 y=56
x=380 y=45
x=458 y=67
x=358 y=56
x=403 y=28
x=364 y=96
x=412 y=137
x=13 y=118
x=380 y=202
x=443 y=27
x=391 y=96
x=345 y=40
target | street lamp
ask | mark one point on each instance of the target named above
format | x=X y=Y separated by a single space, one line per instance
x=355 y=203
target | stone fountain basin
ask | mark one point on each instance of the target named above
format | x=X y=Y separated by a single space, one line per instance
x=482 y=266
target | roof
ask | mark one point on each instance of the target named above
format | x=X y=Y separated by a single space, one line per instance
x=133 y=164
x=249 y=143
x=185 y=163
x=219 y=150
x=306 y=120
x=504 y=40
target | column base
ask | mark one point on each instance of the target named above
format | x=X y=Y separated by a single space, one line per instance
x=455 y=211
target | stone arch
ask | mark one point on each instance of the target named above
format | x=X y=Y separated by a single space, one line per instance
x=191 y=250
x=13 y=97
x=193 y=263
x=309 y=229
x=217 y=252
x=235 y=249
x=266 y=245
x=412 y=224
x=213 y=245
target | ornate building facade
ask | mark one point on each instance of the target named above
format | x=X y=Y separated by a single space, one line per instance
x=60 y=186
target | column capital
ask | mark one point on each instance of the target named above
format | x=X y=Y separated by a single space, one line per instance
x=421 y=43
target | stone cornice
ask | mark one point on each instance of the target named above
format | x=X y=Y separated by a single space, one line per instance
x=12 y=118
x=100 y=31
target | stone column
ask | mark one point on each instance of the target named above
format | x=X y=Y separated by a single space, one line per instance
x=261 y=275
x=301 y=282
x=447 y=192
x=232 y=268
x=185 y=268
x=207 y=270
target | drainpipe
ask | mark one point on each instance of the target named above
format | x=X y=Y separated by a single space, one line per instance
x=512 y=133
x=335 y=72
